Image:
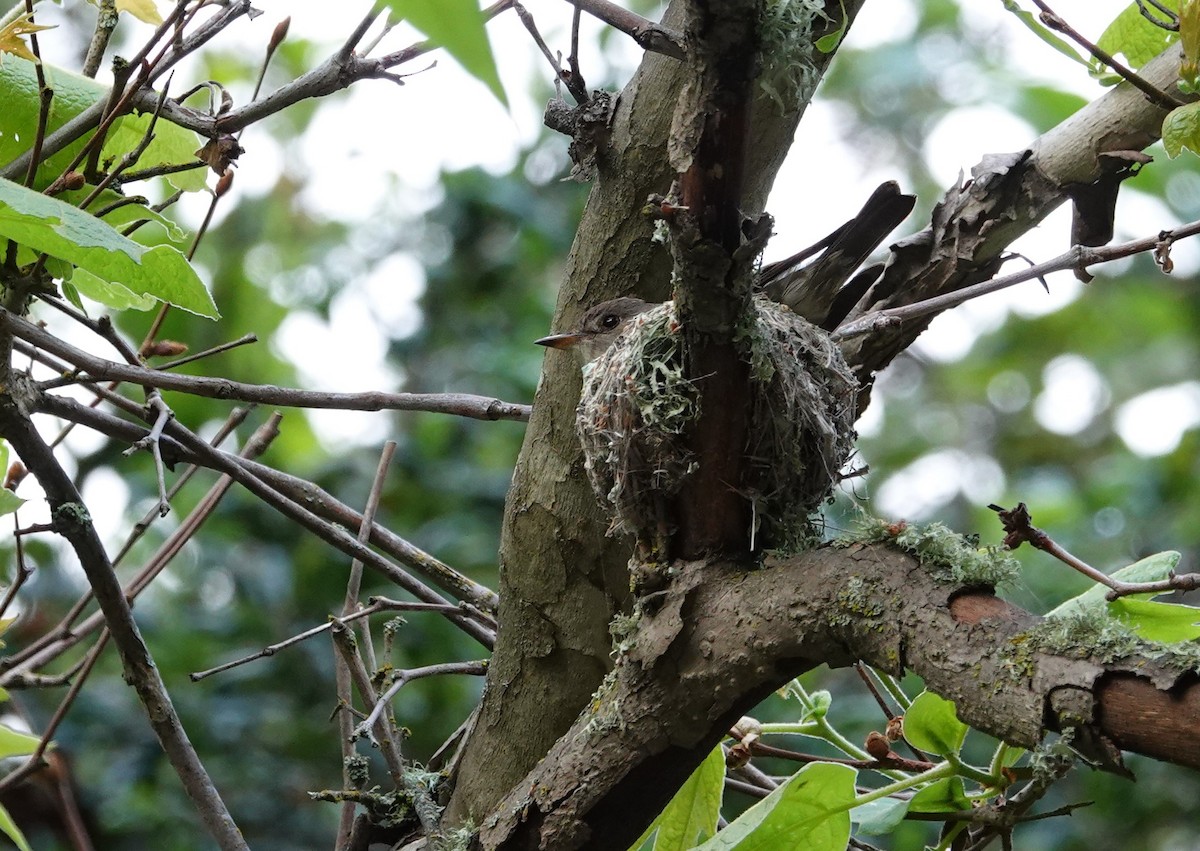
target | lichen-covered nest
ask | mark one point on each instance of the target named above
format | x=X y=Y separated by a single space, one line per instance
x=637 y=406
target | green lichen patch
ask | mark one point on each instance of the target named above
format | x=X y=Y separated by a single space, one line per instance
x=787 y=50
x=1094 y=634
x=952 y=558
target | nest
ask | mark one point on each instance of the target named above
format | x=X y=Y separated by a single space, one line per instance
x=637 y=406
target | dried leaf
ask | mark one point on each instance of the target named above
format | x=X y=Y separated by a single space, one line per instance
x=10 y=36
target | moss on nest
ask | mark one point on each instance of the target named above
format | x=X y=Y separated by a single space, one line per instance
x=637 y=406
x=634 y=409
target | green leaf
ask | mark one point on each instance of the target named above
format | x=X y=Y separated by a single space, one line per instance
x=879 y=817
x=810 y=811
x=1153 y=568
x=1169 y=623
x=457 y=26
x=12 y=831
x=1039 y=29
x=931 y=725
x=1135 y=37
x=940 y=796
x=691 y=816
x=9 y=502
x=60 y=230
x=120 y=212
x=1181 y=129
x=72 y=95
x=111 y=295
x=827 y=43
x=1189 y=37
x=13 y=743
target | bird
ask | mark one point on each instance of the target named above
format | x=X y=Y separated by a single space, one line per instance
x=823 y=291
x=599 y=328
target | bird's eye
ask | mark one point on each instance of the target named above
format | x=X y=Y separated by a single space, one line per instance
x=610 y=320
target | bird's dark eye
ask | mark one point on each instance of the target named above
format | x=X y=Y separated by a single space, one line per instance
x=610 y=320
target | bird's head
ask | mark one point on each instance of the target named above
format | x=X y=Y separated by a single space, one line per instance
x=599 y=328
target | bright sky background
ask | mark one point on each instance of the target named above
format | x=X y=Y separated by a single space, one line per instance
x=444 y=120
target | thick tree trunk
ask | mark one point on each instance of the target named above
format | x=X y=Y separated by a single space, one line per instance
x=562 y=579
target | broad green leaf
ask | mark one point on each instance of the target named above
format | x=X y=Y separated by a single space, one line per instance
x=1039 y=29
x=931 y=725
x=72 y=95
x=1134 y=37
x=1170 y=623
x=125 y=214
x=691 y=816
x=1150 y=569
x=1181 y=129
x=809 y=811
x=940 y=796
x=13 y=743
x=60 y=230
x=12 y=831
x=879 y=817
x=108 y=293
x=9 y=502
x=457 y=26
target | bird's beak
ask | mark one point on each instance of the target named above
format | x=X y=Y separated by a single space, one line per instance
x=560 y=341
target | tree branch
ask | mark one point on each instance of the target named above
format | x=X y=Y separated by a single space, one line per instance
x=1006 y=196
x=96 y=368
x=72 y=522
x=723 y=638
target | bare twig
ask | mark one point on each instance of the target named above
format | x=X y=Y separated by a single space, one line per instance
x=461 y=404
x=649 y=35
x=1051 y=19
x=375 y=608
x=343 y=640
x=209 y=352
x=570 y=80
x=402 y=677
x=1076 y=257
x=301 y=501
x=67 y=633
x=1019 y=529
x=163 y=414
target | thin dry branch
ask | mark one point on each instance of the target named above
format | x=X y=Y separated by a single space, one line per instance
x=73 y=523
x=99 y=369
